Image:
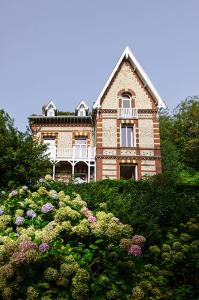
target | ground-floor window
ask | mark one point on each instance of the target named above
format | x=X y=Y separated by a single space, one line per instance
x=127 y=171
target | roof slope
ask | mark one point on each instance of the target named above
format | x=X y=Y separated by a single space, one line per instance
x=141 y=73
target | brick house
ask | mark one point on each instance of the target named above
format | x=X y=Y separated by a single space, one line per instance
x=119 y=138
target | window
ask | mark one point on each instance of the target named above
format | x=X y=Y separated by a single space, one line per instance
x=126 y=101
x=51 y=150
x=51 y=112
x=127 y=171
x=80 y=142
x=127 y=136
x=82 y=111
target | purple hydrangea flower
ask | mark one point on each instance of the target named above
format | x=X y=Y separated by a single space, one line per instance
x=19 y=221
x=48 y=207
x=1 y=212
x=92 y=219
x=44 y=247
x=14 y=193
x=135 y=250
x=31 y=214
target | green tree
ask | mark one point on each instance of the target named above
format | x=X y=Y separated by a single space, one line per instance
x=186 y=131
x=22 y=161
x=179 y=137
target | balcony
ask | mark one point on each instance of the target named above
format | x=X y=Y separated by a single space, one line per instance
x=127 y=113
x=75 y=153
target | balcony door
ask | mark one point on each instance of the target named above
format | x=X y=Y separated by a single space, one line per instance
x=80 y=147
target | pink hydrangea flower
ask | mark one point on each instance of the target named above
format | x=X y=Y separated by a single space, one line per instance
x=138 y=240
x=135 y=250
x=27 y=245
x=86 y=212
x=92 y=219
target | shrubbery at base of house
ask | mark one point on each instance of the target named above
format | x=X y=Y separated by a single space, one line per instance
x=52 y=246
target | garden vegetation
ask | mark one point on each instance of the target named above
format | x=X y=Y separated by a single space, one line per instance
x=102 y=240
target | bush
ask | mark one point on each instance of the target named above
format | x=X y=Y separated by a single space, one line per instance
x=172 y=270
x=53 y=247
x=151 y=206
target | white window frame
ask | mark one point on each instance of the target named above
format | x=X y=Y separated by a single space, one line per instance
x=132 y=136
x=79 y=144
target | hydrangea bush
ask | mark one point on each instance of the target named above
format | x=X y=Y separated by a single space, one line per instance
x=52 y=246
x=171 y=270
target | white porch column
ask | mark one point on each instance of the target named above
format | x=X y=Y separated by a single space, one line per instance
x=73 y=170
x=53 y=171
x=89 y=172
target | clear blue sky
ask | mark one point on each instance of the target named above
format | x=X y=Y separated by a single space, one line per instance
x=65 y=50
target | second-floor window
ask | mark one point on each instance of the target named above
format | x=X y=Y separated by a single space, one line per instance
x=126 y=101
x=80 y=142
x=127 y=136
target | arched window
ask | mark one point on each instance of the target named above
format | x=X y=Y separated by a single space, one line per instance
x=126 y=101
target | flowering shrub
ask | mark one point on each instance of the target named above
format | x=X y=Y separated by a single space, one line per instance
x=172 y=271
x=52 y=246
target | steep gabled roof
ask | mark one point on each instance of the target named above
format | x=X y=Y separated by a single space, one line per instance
x=141 y=73
x=50 y=104
x=82 y=103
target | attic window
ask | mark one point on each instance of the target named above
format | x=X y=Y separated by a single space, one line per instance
x=51 y=112
x=82 y=111
x=126 y=101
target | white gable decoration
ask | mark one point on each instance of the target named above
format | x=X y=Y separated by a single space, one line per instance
x=50 y=109
x=81 y=109
x=141 y=73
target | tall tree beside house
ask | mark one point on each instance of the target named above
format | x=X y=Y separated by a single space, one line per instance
x=179 y=137
x=22 y=161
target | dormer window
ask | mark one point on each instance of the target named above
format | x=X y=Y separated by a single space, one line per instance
x=50 y=109
x=82 y=109
x=51 y=112
x=126 y=101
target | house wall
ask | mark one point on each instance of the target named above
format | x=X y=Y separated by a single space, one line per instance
x=146 y=153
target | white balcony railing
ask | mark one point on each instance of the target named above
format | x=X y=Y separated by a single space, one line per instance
x=75 y=153
x=127 y=113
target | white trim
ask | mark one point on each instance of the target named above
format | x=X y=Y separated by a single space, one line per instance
x=50 y=103
x=136 y=172
x=82 y=102
x=129 y=55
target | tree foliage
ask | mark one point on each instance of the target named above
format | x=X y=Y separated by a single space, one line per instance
x=179 y=137
x=22 y=161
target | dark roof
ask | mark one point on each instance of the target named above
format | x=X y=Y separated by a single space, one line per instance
x=59 y=119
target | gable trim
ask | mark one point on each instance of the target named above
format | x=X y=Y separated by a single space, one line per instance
x=127 y=54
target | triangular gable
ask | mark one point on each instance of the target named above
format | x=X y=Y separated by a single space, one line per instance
x=82 y=103
x=141 y=73
x=50 y=104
